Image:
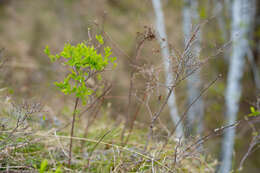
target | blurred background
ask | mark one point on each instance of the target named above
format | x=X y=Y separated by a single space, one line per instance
x=27 y=26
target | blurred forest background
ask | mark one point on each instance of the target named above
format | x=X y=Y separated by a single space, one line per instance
x=27 y=26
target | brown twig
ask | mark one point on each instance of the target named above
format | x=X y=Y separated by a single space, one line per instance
x=133 y=121
x=95 y=146
x=90 y=121
x=194 y=101
x=148 y=35
x=216 y=132
x=255 y=140
x=91 y=105
x=188 y=108
x=72 y=129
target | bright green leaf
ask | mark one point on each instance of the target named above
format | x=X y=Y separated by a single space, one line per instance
x=100 y=39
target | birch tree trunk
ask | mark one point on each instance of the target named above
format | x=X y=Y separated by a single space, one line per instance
x=162 y=38
x=219 y=12
x=242 y=11
x=195 y=114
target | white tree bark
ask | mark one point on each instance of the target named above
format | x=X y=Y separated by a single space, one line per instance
x=195 y=114
x=218 y=12
x=162 y=38
x=242 y=11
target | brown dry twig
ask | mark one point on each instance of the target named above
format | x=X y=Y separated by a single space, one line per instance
x=255 y=140
x=147 y=35
x=95 y=146
x=82 y=112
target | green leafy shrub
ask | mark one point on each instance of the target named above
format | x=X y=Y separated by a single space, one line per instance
x=84 y=61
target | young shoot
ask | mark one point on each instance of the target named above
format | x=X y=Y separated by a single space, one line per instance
x=84 y=62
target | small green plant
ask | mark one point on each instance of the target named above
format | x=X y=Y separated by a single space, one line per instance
x=84 y=61
x=254 y=112
x=44 y=167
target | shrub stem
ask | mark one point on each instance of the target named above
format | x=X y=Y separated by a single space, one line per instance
x=72 y=129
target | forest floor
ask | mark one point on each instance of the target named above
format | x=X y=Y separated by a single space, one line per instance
x=30 y=144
